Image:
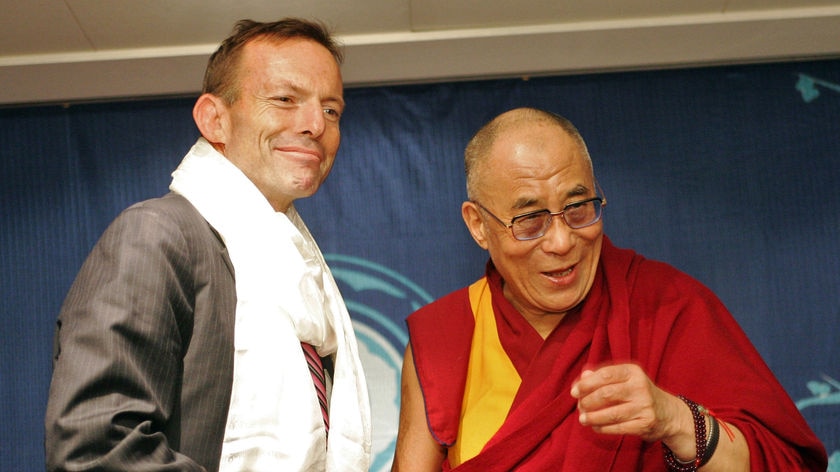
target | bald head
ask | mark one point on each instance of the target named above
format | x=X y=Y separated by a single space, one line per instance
x=480 y=146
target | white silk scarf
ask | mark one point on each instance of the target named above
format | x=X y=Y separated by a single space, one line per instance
x=285 y=295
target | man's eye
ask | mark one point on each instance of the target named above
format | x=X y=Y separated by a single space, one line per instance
x=531 y=217
x=531 y=220
x=333 y=113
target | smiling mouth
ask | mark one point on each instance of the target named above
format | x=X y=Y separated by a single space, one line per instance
x=560 y=274
x=302 y=152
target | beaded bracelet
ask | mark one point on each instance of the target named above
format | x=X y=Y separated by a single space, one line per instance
x=698 y=413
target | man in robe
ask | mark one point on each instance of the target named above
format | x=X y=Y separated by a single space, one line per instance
x=571 y=354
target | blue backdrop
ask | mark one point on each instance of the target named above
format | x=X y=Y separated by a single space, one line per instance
x=729 y=173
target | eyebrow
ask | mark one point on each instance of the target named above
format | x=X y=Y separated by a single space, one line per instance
x=299 y=90
x=523 y=203
x=283 y=84
x=576 y=191
x=337 y=100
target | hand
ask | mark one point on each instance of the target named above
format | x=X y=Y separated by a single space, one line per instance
x=621 y=399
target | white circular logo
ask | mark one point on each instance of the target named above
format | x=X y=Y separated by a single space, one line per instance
x=378 y=300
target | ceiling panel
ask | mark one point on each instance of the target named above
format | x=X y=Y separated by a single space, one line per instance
x=741 y=5
x=116 y=24
x=442 y=14
x=75 y=50
x=39 y=26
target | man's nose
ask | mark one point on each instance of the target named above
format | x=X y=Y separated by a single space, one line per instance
x=312 y=120
x=558 y=236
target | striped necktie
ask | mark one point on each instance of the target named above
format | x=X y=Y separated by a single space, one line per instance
x=316 y=369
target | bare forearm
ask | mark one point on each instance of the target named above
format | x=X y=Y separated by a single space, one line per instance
x=732 y=454
x=715 y=446
x=416 y=449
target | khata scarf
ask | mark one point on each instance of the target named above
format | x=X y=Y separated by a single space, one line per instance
x=285 y=294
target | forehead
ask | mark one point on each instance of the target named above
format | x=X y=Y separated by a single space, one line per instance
x=301 y=61
x=535 y=150
x=533 y=165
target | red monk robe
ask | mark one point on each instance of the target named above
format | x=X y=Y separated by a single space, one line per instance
x=639 y=311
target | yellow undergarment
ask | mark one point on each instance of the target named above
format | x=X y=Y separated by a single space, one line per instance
x=492 y=381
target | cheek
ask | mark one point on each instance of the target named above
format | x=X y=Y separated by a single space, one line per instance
x=512 y=260
x=332 y=139
x=326 y=168
x=593 y=257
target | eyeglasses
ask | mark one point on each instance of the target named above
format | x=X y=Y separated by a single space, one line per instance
x=533 y=225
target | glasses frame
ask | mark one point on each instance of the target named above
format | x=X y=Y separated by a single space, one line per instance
x=551 y=215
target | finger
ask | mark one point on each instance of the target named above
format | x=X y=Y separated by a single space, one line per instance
x=630 y=392
x=633 y=428
x=619 y=419
x=603 y=397
x=575 y=389
x=610 y=415
x=606 y=375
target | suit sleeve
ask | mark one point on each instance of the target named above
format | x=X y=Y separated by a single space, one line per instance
x=119 y=346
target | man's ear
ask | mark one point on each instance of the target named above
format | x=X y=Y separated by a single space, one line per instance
x=474 y=222
x=210 y=115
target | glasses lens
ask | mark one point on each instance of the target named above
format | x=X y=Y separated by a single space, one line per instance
x=530 y=226
x=579 y=215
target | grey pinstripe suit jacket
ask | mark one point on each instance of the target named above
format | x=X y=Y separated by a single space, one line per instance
x=143 y=356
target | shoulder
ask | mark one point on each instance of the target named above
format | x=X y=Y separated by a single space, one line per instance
x=445 y=307
x=447 y=323
x=658 y=293
x=167 y=218
x=649 y=277
x=160 y=232
x=170 y=208
x=665 y=282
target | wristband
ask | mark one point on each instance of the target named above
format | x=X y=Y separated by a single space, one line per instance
x=714 y=435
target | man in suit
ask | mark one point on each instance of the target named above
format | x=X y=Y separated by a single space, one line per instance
x=184 y=342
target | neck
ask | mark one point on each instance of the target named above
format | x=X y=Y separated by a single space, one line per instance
x=543 y=322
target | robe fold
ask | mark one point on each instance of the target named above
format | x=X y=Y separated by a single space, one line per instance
x=640 y=311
